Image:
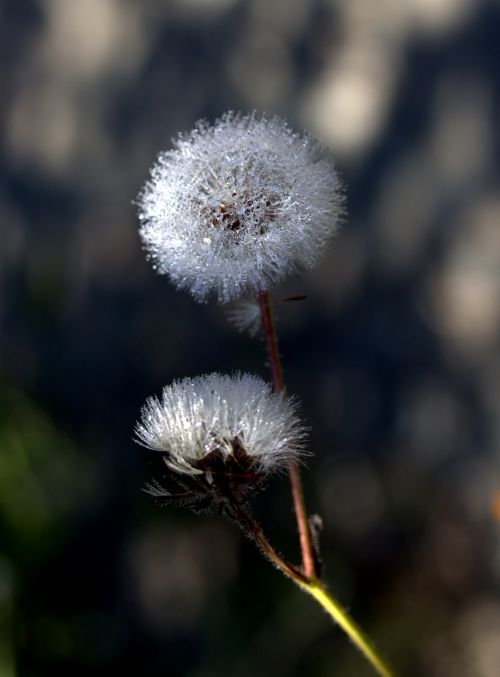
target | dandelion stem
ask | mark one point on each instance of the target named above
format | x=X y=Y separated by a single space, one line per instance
x=313 y=587
x=307 y=579
x=271 y=341
x=306 y=545
x=332 y=607
x=253 y=529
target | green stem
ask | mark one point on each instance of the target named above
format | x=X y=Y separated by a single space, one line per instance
x=332 y=607
x=313 y=587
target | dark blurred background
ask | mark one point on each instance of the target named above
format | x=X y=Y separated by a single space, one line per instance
x=394 y=354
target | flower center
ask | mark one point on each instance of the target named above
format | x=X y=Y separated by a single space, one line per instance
x=253 y=213
x=227 y=217
x=229 y=474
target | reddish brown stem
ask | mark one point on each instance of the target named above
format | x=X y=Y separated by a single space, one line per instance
x=254 y=531
x=271 y=341
x=306 y=546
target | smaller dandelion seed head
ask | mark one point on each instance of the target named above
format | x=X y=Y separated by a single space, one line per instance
x=245 y=316
x=221 y=435
x=234 y=207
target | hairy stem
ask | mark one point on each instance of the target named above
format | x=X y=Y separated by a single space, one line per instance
x=306 y=545
x=254 y=531
x=313 y=587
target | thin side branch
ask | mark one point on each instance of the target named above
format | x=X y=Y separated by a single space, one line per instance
x=253 y=530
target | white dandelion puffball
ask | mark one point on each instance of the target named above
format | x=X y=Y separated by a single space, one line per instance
x=235 y=207
x=223 y=430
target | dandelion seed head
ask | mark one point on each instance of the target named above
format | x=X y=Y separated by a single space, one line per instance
x=222 y=432
x=234 y=207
